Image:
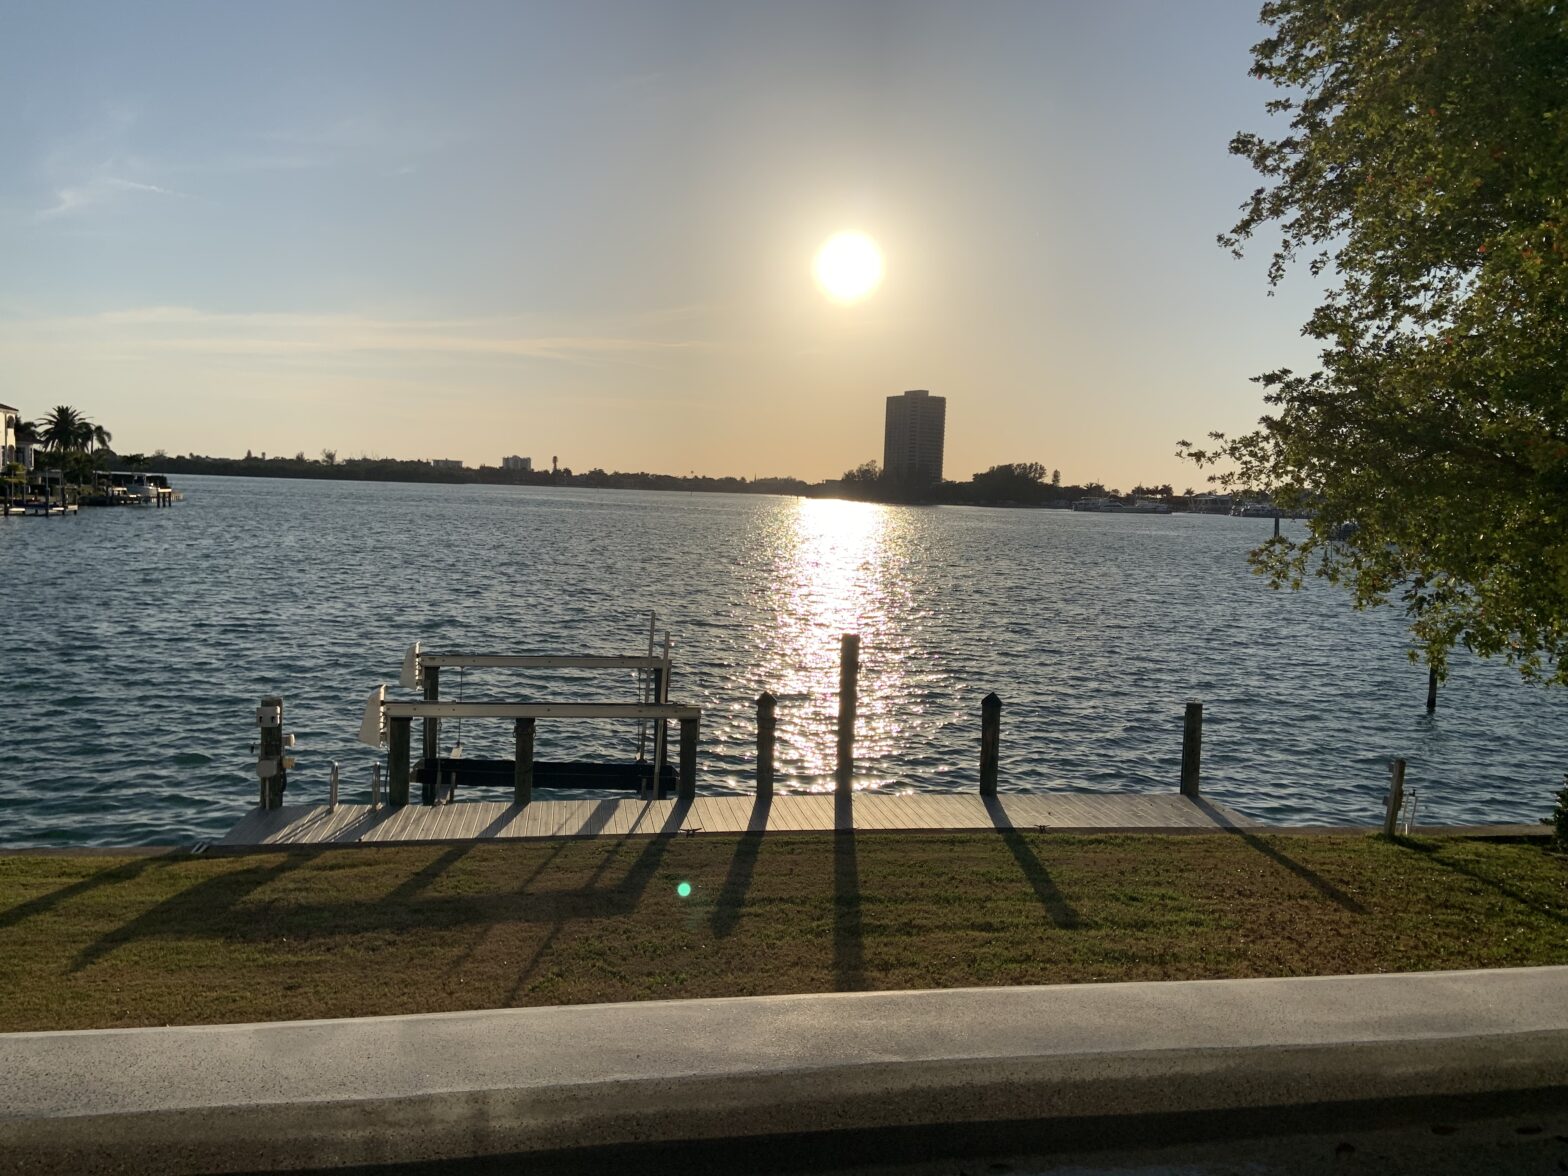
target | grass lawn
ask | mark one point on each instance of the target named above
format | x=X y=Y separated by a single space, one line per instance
x=90 y=942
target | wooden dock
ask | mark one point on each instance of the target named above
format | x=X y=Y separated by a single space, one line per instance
x=350 y=824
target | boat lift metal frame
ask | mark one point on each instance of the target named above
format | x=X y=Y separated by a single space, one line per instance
x=387 y=723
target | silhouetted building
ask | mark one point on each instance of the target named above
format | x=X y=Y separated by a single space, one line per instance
x=912 y=448
x=446 y=463
x=521 y=464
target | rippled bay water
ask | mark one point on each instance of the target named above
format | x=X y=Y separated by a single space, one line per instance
x=137 y=642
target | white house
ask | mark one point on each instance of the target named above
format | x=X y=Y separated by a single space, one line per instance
x=8 y=448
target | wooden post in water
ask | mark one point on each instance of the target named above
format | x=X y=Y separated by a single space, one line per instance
x=269 y=717
x=848 y=699
x=1431 y=689
x=767 y=726
x=1192 y=749
x=990 y=742
x=1396 y=797
x=1276 y=524
x=687 y=787
x=432 y=732
x=523 y=772
x=400 y=736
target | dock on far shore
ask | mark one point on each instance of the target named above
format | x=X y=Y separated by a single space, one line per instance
x=799 y=813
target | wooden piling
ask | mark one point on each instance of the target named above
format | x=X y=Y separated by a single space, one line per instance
x=990 y=742
x=432 y=732
x=767 y=726
x=1192 y=749
x=523 y=773
x=1431 y=689
x=687 y=786
x=1276 y=524
x=271 y=746
x=399 y=739
x=1396 y=797
x=848 y=699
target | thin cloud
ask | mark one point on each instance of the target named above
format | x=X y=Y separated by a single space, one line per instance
x=100 y=190
x=167 y=330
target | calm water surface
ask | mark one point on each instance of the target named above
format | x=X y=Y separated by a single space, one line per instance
x=136 y=643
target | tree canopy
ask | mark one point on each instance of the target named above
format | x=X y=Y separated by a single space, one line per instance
x=1424 y=173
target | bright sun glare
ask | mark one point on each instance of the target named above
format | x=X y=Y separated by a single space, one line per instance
x=848 y=266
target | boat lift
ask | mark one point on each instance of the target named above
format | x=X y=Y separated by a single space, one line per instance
x=389 y=723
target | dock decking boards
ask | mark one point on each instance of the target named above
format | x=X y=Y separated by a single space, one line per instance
x=497 y=821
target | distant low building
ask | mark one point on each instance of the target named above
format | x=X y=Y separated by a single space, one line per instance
x=521 y=464
x=440 y=463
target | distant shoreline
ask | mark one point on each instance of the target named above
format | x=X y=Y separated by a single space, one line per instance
x=1018 y=495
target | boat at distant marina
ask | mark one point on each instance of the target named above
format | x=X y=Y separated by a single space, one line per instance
x=1116 y=506
x=132 y=488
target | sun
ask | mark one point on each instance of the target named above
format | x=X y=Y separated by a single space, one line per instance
x=848 y=266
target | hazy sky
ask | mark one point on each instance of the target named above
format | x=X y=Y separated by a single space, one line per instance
x=468 y=230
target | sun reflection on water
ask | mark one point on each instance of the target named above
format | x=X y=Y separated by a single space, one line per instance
x=837 y=572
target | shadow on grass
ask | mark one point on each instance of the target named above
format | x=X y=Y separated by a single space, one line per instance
x=423 y=878
x=1430 y=851
x=621 y=899
x=1308 y=875
x=203 y=909
x=647 y=863
x=484 y=932
x=113 y=876
x=726 y=912
x=849 y=969
x=1060 y=911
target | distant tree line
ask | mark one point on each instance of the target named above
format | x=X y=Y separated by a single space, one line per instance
x=1011 y=484
x=386 y=469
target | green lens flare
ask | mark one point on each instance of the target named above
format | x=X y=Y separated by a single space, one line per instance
x=684 y=890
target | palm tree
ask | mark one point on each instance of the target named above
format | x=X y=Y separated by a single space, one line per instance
x=62 y=430
x=102 y=437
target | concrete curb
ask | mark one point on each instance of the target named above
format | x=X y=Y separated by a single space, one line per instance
x=1054 y=1065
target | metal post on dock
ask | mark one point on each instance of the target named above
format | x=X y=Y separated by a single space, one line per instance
x=1192 y=749
x=399 y=739
x=375 y=785
x=848 y=697
x=661 y=732
x=767 y=726
x=1431 y=689
x=332 y=795
x=686 y=789
x=1396 y=797
x=990 y=742
x=523 y=772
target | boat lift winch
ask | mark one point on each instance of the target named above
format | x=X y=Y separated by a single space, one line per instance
x=388 y=723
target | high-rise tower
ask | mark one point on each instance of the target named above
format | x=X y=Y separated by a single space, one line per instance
x=912 y=447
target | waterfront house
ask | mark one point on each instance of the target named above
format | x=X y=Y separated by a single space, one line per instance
x=9 y=419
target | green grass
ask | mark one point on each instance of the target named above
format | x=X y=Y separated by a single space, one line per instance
x=88 y=942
